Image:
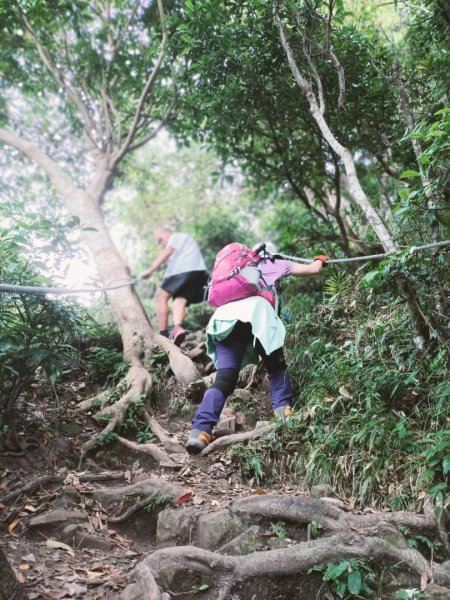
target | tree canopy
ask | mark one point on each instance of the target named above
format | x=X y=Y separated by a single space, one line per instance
x=321 y=125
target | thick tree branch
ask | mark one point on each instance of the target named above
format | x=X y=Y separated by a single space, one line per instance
x=146 y=91
x=327 y=53
x=55 y=173
x=357 y=192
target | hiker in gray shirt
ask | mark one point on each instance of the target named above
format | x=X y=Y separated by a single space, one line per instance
x=184 y=280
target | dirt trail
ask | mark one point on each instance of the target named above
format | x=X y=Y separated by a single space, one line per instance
x=134 y=525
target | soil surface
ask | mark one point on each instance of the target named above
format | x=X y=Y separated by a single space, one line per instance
x=191 y=527
x=95 y=564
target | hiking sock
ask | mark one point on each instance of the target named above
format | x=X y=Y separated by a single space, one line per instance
x=164 y=333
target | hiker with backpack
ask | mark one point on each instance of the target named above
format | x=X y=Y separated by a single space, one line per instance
x=244 y=327
x=185 y=279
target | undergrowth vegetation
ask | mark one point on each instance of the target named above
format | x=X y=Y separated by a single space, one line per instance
x=372 y=409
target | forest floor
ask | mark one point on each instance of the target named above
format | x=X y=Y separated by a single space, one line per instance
x=81 y=533
x=58 y=553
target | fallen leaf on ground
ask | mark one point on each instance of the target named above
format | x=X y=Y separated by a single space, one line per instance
x=423 y=582
x=75 y=588
x=183 y=499
x=94 y=574
x=121 y=541
x=260 y=492
x=59 y=546
x=13 y=525
x=20 y=578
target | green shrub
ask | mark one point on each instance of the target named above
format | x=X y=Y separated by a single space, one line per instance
x=36 y=332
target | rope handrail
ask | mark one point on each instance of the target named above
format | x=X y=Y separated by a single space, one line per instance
x=20 y=289
x=370 y=256
x=24 y=289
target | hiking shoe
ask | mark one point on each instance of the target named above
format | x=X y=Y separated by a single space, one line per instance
x=177 y=335
x=283 y=412
x=198 y=440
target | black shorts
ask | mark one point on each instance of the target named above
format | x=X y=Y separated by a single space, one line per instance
x=190 y=285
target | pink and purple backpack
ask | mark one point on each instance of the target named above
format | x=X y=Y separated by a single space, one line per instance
x=235 y=275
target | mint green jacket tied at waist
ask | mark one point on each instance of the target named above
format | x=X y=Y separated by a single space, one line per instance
x=267 y=327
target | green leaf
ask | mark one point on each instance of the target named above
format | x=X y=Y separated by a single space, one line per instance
x=371 y=277
x=409 y=173
x=334 y=571
x=446 y=464
x=354 y=582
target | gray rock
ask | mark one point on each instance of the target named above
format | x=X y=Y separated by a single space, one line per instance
x=436 y=592
x=262 y=425
x=227 y=422
x=77 y=537
x=58 y=516
x=216 y=528
x=275 y=543
x=246 y=420
x=247 y=542
x=176 y=524
x=133 y=591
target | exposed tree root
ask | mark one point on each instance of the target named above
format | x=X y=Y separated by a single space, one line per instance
x=162 y=434
x=152 y=450
x=375 y=538
x=182 y=366
x=253 y=375
x=139 y=383
x=226 y=571
x=304 y=509
x=133 y=509
x=236 y=438
x=44 y=480
x=142 y=492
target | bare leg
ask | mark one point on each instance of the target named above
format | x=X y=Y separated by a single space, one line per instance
x=162 y=308
x=179 y=310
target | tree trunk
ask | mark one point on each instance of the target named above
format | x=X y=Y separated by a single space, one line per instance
x=128 y=312
x=10 y=588
x=134 y=326
x=137 y=334
x=354 y=187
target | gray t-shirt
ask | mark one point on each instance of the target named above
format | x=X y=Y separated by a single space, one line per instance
x=187 y=256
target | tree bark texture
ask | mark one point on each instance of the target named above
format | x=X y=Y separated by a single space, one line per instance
x=354 y=186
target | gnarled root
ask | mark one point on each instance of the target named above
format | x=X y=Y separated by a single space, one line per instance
x=182 y=366
x=236 y=438
x=375 y=538
x=141 y=494
x=224 y=572
x=139 y=383
x=304 y=510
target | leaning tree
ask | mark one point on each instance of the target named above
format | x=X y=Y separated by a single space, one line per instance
x=83 y=85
